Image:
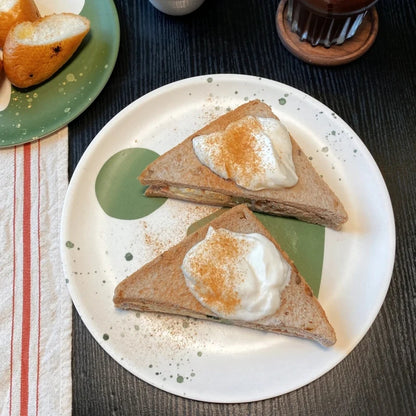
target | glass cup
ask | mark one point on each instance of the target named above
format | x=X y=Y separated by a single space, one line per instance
x=326 y=22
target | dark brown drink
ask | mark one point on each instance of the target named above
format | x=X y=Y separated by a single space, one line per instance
x=326 y=22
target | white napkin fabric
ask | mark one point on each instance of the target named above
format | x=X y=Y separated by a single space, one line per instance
x=35 y=306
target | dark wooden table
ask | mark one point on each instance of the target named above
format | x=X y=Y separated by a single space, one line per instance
x=375 y=95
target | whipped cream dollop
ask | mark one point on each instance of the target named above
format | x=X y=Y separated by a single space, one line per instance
x=237 y=276
x=254 y=152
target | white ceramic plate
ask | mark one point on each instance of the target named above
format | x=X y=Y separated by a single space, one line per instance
x=203 y=360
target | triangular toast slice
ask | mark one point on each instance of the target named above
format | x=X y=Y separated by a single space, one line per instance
x=179 y=174
x=159 y=286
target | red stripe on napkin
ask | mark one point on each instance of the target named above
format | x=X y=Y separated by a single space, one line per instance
x=24 y=248
x=36 y=378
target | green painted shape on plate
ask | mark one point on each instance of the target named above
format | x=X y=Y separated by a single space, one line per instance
x=119 y=192
x=303 y=242
x=40 y=110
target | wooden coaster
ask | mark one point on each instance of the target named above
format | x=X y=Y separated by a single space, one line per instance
x=350 y=50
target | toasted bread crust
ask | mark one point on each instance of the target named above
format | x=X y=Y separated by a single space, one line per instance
x=309 y=200
x=159 y=286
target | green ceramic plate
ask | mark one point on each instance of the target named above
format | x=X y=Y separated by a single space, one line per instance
x=36 y=112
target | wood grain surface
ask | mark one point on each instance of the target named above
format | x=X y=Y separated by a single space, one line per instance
x=375 y=95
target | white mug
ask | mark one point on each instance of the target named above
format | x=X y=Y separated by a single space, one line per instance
x=176 y=7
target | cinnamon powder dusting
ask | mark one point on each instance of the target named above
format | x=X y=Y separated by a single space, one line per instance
x=239 y=148
x=217 y=272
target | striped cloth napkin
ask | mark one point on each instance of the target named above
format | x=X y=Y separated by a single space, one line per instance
x=35 y=307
